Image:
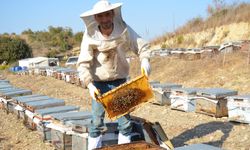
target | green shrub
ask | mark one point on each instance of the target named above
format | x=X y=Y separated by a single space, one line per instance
x=52 y=53
x=163 y=45
x=3 y=67
x=13 y=49
x=180 y=39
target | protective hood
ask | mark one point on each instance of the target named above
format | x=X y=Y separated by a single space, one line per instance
x=103 y=6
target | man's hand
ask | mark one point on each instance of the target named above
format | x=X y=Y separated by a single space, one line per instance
x=145 y=66
x=93 y=91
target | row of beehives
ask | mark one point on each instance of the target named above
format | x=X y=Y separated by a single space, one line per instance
x=217 y=102
x=184 y=53
x=66 y=127
x=214 y=101
x=69 y=75
x=197 y=52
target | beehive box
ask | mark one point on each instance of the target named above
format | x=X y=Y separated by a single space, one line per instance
x=1 y=103
x=198 y=147
x=34 y=98
x=77 y=80
x=44 y=132
x=17 y=98
x=50 y=70
x=63 y=117
x=11 y=107
x=109 y=136
x=43 y=115
x=19 y=111
x=59 y=73
x=66 y=72
x=152 y=83
x=140 y=145
x=42 y=71
x=183 y=99
x=111 y=127
x=109 y=139
x=79 y=141
x=34 y=105
x=4 y=86
x=70 y=78
x=4 y=81
x=79 y=126
x=162 y=92
x=47 y=103
x=213 y=101
x=13 y=92
x=9 y=104
x=31 y=71
x=63 y=140
x=37 y=70
x=239 y=108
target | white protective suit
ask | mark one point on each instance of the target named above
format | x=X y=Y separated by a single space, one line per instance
x=103 y=59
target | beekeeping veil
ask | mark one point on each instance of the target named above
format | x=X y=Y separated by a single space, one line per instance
x=100 y=7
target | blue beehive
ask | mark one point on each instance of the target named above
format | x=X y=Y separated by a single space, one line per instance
x=32 y=106
x=56 y=110
x=45 y=133
x=12 y=92
x=23 y=101
x=18 y=98
x=62 y=140
x=4 y=81
x=62 y=117
x=4 y=86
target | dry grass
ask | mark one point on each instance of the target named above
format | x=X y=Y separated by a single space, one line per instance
x=231 y=14
x=226 y=71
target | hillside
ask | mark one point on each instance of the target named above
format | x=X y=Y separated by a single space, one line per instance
x=209 y=37
x=224 y=23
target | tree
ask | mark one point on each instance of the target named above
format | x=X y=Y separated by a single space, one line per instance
x=13 y=49
x=78 y=37
x=52 y=53
x=29 y=31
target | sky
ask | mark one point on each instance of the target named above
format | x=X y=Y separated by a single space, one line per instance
x=149 y=18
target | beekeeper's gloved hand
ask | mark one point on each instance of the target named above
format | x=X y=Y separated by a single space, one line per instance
x=93 y=91
x=145 y=66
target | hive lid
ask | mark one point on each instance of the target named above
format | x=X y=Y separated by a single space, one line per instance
x=216 y=93
x=198 y=147
x=58 y=109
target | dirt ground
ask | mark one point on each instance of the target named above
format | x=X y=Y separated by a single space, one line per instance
x=230 y=71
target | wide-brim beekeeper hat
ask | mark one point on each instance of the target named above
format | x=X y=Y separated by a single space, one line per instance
x=100 y=7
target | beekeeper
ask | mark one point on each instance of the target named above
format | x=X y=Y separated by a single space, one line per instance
x=102 y=63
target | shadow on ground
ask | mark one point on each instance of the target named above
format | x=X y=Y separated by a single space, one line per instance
x=203 y=130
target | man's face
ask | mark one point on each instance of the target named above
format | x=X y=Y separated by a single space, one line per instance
x=105 y=19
